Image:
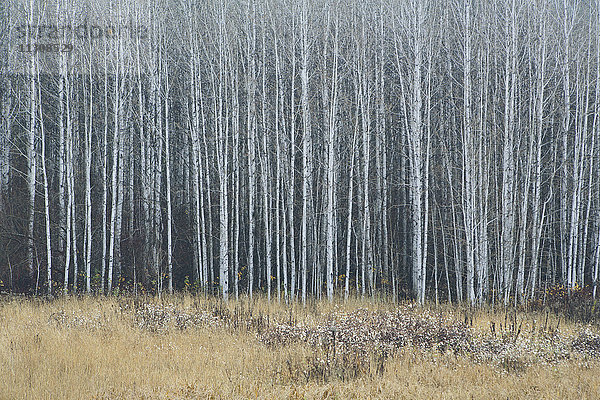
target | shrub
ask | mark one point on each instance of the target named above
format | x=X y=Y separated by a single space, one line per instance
x=575 y=303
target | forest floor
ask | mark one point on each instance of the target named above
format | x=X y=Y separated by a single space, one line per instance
x=186 y=347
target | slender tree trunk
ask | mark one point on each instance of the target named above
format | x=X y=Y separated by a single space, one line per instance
x=307 y=227
x=31 y=155
x=349 y=219
x=251 y=128
x=508 y=163
x=331 y=120
x=46 y=198
x=168 y=183
x=223 y=166
x=265 y=174
x=565 y=127
x=468 y=160
x=88 y=185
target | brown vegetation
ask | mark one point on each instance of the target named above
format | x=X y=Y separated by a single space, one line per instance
x=188 y=347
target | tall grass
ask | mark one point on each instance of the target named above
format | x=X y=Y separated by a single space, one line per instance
x=186 y=347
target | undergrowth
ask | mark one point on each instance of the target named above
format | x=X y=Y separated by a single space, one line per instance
x=185 y=347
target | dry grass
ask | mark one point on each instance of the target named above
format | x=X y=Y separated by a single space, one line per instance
x=187 y=348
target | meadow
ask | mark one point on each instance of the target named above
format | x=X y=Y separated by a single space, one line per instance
x=190 y=347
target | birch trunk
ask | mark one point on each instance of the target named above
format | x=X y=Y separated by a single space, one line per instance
x=331 y=119
x=307 y=227
x=168 y=183
x=508 y=163
x=223 y=166
x=265 y=174
x=88 y=184
x=46 y=197
x=468 y=160
x=565 y=127
x=251 y=128
x=31 y=154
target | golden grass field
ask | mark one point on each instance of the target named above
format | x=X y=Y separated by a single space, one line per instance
x=187 y=347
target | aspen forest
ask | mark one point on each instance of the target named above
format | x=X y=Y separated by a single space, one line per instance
x=299 y=199
x=404 y=149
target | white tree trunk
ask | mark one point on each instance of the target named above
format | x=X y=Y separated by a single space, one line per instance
x=168 y=184
x=223 y=165
x=469 y=159
x=46 y=198
x=251 y=128
x=307 y=227
x=331 y=120
x=265 y=175
x=88 y=186
x=508 y=162
x=31 y=154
